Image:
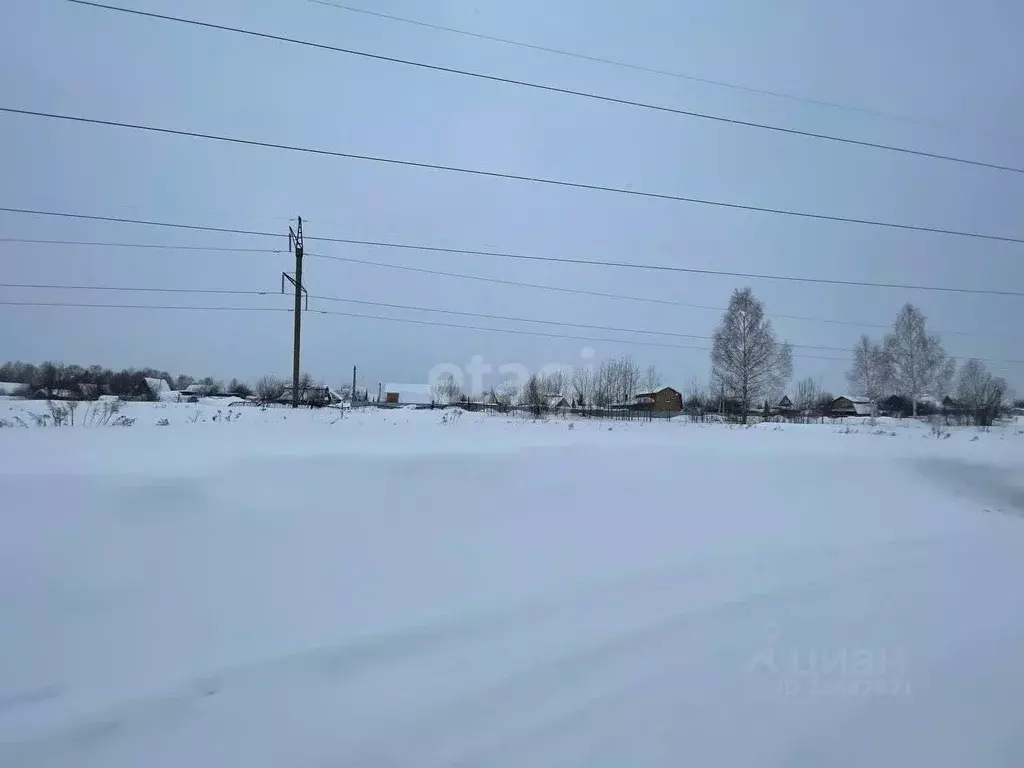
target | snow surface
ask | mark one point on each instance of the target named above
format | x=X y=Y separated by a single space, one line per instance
x=294 y=588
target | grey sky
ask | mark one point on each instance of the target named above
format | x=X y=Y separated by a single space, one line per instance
x=954 y=63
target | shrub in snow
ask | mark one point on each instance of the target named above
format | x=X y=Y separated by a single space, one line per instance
x=163 y=423
x=939 y=430
x=101 y=414
x=62 y=415
x=40 y=419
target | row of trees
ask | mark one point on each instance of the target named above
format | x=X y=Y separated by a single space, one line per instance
x=749 y=365
x=611 y=382
x=51 y=380
x=912 y=362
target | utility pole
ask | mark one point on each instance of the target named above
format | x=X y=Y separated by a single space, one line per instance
x=295 y=241
x=380 y=386
x=353 y=385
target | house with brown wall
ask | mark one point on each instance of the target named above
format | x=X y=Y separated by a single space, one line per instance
x=665 y=399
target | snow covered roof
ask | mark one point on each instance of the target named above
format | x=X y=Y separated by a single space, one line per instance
x=556 y=401
x=654 y=392
x=855 y=400
x=9 y=387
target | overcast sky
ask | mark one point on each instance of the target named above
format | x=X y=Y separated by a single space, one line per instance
x=954 y=64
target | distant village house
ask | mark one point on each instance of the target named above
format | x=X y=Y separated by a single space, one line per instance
x=847 y=405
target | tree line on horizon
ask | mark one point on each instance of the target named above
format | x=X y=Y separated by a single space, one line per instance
x=749 y=366
x=52 y=380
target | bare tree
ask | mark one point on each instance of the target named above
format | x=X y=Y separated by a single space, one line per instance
x=554 y=382
x=445 y=390
x=696 y=401
x=979 y=392
x=501 y=395
x=534 y=397
x=628 y=378
x=808 y=391
x=651 y=379
x=823 y=405
x=916 y=360
x=616 y=381
x=583 y=387
x=869 y=377
x=746 y=360
x=270 y=388
x=604 y=384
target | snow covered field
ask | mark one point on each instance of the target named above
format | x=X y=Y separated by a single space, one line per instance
x=285 y=588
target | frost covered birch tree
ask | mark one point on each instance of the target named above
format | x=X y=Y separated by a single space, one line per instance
x=917 y=361
x=747 y=362
x=869 y=376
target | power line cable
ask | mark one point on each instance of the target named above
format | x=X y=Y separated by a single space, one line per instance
x=627 y=297
x=137 y=289
x=509 y=176
x=406 y=307
x=72 y=304
x=526 y=257
x=381 y=304
x=585 y=326
x=668 y=268
x=494 y=280
x=145 y=222
x=553 y=89
x=146 y=246
x=516 y=332
x=653 y=70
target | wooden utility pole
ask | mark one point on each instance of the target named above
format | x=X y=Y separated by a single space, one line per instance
x=295 y=241
x=353 y=385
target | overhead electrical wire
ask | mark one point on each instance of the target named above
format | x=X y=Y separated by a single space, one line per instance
x=137 y=289
x=526 y=257
x=145 y=222
x=81 y=305
x=380 y=304
x=649 y=70
x=551 y=88
x=627 y=297
x=406 y=307
x=508 y=176
x=481 y=278
x=513 y=331
x=145 y=246
x=670 y=268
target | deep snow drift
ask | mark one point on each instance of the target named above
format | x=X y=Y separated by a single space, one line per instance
x=288 y=588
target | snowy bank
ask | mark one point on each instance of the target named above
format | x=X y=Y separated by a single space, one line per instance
x=293 y=587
